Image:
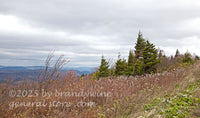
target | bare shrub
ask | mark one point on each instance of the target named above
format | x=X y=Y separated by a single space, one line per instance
x=51 y=70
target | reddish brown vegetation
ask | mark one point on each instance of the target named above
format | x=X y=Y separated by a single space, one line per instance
x=124 y=93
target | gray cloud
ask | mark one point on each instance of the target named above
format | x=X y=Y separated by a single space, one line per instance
x=84 y=30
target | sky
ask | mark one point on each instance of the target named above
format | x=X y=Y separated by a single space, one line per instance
x=84 y=30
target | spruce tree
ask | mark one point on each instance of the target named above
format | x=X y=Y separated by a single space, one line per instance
x=131 y=58
x=138 y=67
x=160 y=54
x=150 y=58
x=197 y=58
x=187 y=58
x=177 y=53
x=139 y=47
x=120 y=66
x=130 y=67
x=103 y=70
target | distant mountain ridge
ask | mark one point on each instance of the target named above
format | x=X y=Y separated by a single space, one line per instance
x=20 y=67
x=31 y=72
x=81 y=69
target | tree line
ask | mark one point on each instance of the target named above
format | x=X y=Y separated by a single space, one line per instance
x=144 y=59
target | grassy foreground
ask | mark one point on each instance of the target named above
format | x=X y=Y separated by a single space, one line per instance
x=173 y=94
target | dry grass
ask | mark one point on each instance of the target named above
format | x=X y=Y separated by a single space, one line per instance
x=127 y=95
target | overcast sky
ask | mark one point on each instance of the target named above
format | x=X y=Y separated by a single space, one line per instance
x=83 y=30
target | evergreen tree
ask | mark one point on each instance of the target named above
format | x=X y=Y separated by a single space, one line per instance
x=160 y=54
x=131 y=58
x=140 y=45
x=177 y=53
x=130 y=67
x=103 y=70
x=197 y=58
x=120 y=66
x=150 y=58
x=187 y=58
x=138 y=67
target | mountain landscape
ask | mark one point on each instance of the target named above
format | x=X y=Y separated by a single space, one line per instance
x=99 y=59
x=19 y=73
x=147 y=85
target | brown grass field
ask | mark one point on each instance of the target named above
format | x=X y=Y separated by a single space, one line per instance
x=81 y=97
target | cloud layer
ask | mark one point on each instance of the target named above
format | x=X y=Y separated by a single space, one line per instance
x=84 y=30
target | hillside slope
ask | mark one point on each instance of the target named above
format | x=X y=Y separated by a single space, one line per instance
x=180 y=100
x=167 y=94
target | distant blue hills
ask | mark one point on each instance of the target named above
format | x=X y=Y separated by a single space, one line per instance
x=20 y=72
x=20 y=67
x=85 y=70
